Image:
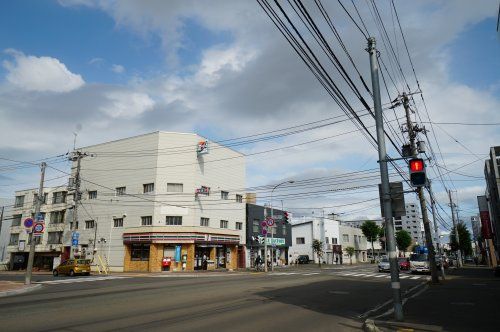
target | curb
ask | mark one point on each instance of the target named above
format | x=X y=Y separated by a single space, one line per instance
x=397 y=326
x=20 y=290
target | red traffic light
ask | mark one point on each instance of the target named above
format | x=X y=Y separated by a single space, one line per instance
x=416 y=165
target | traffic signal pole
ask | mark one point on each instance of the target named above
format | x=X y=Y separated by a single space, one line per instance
x=384 y=175
x=436 y=230
x=421 y=197
x=31 y=257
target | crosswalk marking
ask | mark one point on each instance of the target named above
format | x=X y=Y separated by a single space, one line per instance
x=380 y=276
x=72 y=280
x=310 y=274
x=403 y=277
x=415 y=278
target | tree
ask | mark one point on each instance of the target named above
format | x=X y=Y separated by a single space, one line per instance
x=382 y=238
x=350 y=252
x=464 y=237
x=371 y=231
x=403 y=240
x=317 y=247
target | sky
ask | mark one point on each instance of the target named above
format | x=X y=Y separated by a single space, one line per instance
x=112 y=69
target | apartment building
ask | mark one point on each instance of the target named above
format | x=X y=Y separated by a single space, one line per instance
x=162 y=201
x=51 y=245
x=412 y=223
x=352 y=237
x=492 y=193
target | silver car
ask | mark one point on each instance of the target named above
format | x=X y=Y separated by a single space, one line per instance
x=383 y=265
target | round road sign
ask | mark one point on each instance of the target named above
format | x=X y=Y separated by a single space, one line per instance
x=38 y=228
x=28 y=222
x=264 y=231
x=264 y=223
x=270 y=222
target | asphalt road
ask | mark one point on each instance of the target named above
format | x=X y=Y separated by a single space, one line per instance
x=296 y=300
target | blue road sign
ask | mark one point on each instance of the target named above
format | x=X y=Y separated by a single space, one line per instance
x=75 y=235
x=28 y=222
x=39 y=217
x=74 y=242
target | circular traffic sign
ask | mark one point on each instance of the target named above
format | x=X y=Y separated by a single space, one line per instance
x=264 y=223
x=270 y=222
x=38 y=227
x=28 y=222
x=264 y=231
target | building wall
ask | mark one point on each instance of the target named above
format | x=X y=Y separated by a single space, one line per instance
x=412 y=223
x=492 y=177
x=356 y=240
x=158 y=158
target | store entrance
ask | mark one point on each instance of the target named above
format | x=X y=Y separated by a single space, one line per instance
x=201 y=256
x=221 y=256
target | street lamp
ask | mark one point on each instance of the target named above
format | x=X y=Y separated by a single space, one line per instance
x=272 y=217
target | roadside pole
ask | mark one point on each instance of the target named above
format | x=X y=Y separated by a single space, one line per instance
x=421 y=196
x=436 y=230
x=265 y=242
x=384 y=175
x=457 y=238
x=77 y=156
x=31 y=257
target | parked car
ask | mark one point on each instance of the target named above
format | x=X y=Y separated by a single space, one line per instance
x=73 y=267
x=419 y=263
x=383 y=265
x=404 y=263
x=303 y=259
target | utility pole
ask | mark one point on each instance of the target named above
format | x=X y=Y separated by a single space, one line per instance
x=31 y=257
x=265 y=241
x=384 y=175
x=76 y=156
x=457 y=238
x=420 y=191
x=436 y=230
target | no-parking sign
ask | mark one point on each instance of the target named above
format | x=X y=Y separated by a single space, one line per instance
x=38 y=228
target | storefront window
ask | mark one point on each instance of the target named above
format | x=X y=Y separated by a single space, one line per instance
x=140 y=252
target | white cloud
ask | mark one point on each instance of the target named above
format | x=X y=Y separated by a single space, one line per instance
x=42 y=74
x=117 y=69
x=126 y=104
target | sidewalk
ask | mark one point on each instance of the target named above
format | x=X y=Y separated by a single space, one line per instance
x=8 y=288
x=466 y=301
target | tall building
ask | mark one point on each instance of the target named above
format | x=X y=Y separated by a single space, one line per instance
x=412 y=223
x=163 y=195
x=492 y=177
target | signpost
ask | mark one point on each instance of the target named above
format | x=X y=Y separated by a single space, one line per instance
x=38 y=229
x=28 y=222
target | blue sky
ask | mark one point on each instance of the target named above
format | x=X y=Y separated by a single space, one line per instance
x=220 y=69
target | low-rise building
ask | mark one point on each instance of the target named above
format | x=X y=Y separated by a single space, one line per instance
x=50 y=246
x=352 y=237
x=279 y=241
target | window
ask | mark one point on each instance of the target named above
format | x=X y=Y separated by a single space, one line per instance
x=204 y=222
x=239 y=198
x=399 y=228
x=55 y=237
x=224 y=223
x=118 y=222
x=175 y=187
x=35 y=198
x=139 y=252
x=89 y=224
x=300 y=240
x=14 y=239
x=239 y=225
x=19 y=201
x=224 y=195
x=16 y=219
x=345 y=237
x=173 y=220
x=57 y=217
x=326 y=240
x=334 y=240
x=147 y=221
x=71 y=225
x=59 y=197
x=255 y=225
x=93 y=194
x=38 y=239
x=148 y=188
x=283 y=230
x=120 y=191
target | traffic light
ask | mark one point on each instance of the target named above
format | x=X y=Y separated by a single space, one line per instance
x=286 y=217
x=417 y=172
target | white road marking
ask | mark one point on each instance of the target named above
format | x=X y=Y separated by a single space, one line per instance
x=403 y=277
x=70 y=281
x=414 y=278
x=310 y=274
x=380 y=276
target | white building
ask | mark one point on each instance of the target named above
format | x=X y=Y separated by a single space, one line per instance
x=305 y=230
x=412 y=223
x=163 y=195
x=377 y=246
